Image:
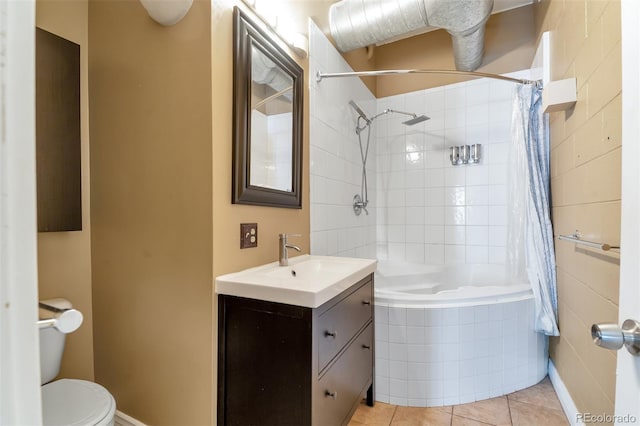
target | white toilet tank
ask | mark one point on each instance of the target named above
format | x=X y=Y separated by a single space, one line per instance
x=68 y=401
x=51 y=344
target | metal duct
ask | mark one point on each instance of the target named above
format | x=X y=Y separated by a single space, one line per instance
x=359 y=23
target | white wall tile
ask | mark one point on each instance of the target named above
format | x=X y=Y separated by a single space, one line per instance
x=454 y=254
x=397 y=334
x=416 y=317
x=477 y=215
x=455 y=196
x=415 y=234
x=477 y=235
x=477 y=175
x=454 y=176
x=414 y=253
x=478 y=93
x=477 y=254
x=456 y=216
x=477 y=196
x=454 y=235
x=434 y=178
x=434 y=234
x=455 y=97
x=398 y=370
x=434 y=254
x=498 y=195
x=434 y=196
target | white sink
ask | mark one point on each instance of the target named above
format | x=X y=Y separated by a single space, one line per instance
x=308 y=280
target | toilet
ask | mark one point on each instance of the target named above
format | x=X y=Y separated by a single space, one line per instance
x=66 y=401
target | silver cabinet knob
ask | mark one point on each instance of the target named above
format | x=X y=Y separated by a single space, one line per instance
x=610 y=336
x=330 y=394
x=365 y=346
x=330 y=334
x=366 y=302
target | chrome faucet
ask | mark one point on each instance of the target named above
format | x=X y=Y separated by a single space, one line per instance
x=283 y=254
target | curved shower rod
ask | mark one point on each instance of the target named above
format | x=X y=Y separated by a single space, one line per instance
x=322 y=75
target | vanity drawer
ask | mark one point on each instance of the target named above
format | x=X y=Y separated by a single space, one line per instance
x=341 y=322
x=341 y=387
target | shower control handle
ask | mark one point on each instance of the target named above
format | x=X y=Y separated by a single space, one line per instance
x=610 y=336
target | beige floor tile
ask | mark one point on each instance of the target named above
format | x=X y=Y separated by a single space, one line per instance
x=463 y=421
x=494 y=411
x=378 y=415
x=414 y=416
x=524 y=414
x=541 y=394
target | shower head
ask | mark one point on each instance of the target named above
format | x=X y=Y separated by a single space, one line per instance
x=416 y=119
x=360 y=112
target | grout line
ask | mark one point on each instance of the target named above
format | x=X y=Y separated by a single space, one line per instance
x=509 y=407
x=394 y=414
x=471 y=418
x=538 y=406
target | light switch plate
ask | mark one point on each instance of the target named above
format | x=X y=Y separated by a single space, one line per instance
x=248 y=235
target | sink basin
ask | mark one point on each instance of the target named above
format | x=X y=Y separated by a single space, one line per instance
x=308 y=281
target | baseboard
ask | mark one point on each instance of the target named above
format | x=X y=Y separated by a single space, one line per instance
x=121 y=419
x=566 y=401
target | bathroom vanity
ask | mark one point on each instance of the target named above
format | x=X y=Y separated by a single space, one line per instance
x=296 y=364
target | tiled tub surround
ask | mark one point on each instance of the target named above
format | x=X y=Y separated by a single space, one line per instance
x=437 y=353
x=429 y=211
x=336 y=165
x=424 y=211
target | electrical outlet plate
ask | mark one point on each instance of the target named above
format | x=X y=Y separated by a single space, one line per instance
x=248 y=235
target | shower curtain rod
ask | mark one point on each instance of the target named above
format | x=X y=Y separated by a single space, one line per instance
x=321 y=75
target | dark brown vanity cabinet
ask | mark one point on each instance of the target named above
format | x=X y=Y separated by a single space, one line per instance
x=281 y=364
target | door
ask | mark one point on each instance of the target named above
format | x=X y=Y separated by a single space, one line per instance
x=628 y=370
x=19 y=353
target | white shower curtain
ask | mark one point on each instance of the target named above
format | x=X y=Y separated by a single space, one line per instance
x=529 y=232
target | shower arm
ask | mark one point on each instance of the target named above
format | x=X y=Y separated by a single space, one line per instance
x=386 y=111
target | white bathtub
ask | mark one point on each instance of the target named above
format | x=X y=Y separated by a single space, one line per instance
x=453 y=334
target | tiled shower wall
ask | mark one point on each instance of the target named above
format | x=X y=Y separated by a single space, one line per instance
x=421 y=208
x=336 y=165
x=428 y=210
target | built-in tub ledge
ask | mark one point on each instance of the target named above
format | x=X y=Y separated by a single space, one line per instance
x=307 y=281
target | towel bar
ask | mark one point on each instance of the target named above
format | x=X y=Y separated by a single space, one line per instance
x=575 y=238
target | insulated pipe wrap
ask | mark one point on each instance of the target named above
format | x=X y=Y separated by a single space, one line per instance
x=359 y=23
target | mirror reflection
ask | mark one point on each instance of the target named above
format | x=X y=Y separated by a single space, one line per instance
x=271 y=124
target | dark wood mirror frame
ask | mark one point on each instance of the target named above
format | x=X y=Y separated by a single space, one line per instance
x=246 y=35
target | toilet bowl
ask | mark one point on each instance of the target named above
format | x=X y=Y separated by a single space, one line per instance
x=77 y=402
x=69 y=402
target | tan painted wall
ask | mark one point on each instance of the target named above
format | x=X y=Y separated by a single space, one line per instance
x=509 y=46
x=64 y=258
x=271 y=221
x=585 y=163
x=164 y=225
x=228 y=256
x=151 y=186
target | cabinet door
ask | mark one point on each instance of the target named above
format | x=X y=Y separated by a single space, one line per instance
x=264 y=365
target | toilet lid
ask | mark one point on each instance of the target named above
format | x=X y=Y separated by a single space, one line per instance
x=75 y=402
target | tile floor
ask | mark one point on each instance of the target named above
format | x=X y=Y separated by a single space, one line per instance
x=537 y=405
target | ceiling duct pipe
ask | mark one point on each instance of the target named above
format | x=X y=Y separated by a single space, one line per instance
x=360 y=23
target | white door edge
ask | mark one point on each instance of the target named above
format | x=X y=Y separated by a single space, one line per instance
x=19 y=351
x=627 y=404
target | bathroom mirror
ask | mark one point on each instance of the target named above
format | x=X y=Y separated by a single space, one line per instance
x=267 y=119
